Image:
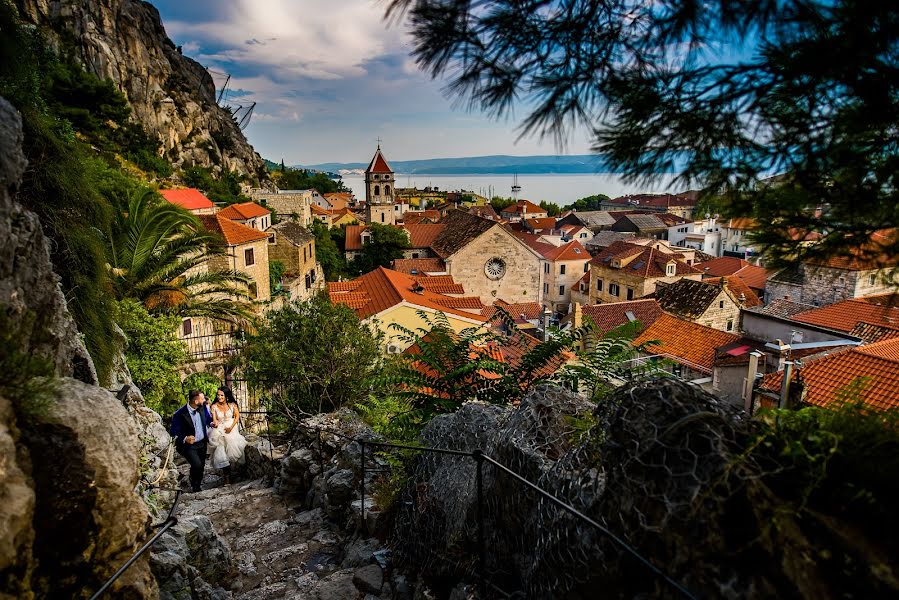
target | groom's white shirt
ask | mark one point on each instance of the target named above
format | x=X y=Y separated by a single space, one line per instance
x=198 y=424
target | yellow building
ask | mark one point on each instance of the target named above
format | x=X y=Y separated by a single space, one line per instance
x=626 y=271
x=384 y=297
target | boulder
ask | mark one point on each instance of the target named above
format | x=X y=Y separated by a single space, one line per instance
x=369 y=579
x=17 y=502
x=85 y=454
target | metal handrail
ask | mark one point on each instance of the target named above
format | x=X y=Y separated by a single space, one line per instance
x=163 y=527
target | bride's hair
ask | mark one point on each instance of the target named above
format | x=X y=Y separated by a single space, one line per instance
x=229 y=395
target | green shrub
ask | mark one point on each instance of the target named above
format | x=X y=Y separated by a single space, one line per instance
x=205 y=382
x=153 y=355
x=26 y=378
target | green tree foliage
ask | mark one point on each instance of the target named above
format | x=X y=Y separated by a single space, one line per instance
x=27 y=379
x=223 y=188
x=154 y=250
x=835 y=460
x=587 y=203
x=327 y=253
x=386 y=245
x=552 y=209
x=153 y=355
x=446 y=368
x=301 y=179
x=275 y=274
x=810 y=90
x=498 y=203
x=208 y=383
x=311 y=357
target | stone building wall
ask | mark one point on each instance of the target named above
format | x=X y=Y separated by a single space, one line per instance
x=287 y=205
x=258 y=271
x=523 y=278
x=641 y=285
x=574 y=271
x=718 y=316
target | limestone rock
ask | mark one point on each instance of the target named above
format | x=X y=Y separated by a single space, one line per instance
x=16 y=510
x=29 y=289
x=369 y=579
x=85 y=467
x=337 y=586
x=171 y=95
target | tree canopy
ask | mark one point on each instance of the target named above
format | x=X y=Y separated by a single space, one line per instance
x=725 y=94
x=386 y=245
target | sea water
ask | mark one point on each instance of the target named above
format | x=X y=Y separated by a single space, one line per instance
x=561 y=189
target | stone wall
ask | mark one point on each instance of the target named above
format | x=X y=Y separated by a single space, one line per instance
x=641 y=285
x=286 y=205
x=718 y=316
x=522 y=281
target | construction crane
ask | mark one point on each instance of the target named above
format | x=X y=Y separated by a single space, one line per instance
x=241 y=112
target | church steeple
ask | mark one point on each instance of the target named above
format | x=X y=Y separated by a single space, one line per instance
x=379 y=190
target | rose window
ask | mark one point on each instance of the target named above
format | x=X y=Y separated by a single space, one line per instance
x=495 y=268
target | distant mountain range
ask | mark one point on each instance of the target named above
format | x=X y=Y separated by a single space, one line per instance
x=473 y=165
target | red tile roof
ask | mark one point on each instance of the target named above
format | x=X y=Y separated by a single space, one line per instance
x=641 y=260
x=524 y=207
x=869 y=373
x=353 y=237
x=742 y=223
x=610 y=315
x=541 y=223
x=384 y=288
x=462 y=303
x=420 y=265
x=189 y=198
x=318 y=210
x=873 y=254
x=411 y=217
x=441 y=284
x=532 y=241
x=845 y=315
x=378 y=164
x=572 y=250
x=243 y=211
x=871 y=332
x=754 y=276
x=530 y=310
x=738 y=289
x=233 y=233
x=422 y=235
x=685 y=342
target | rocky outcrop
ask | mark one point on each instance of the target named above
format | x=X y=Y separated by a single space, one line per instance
x=68 y=510
x=171 y=95
x=29 y=289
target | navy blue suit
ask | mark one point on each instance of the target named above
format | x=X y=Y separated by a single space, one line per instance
x=195 y=454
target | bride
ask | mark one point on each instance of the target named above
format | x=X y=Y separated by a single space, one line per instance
x=225 y=441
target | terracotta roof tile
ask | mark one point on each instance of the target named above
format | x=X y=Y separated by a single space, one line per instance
x=485 y=212
x=243 y=211
x=233 y=233
x=572 y=250
x=530 y=310
x=318 y=210
x=189 y=198
x=845 y=315
x=685 y=342
x=540 y=223
x=423 y=235
x=869 y=373
x=871 y=332
x=420 y=265
x=385 y=288
x=742 y=223
x=740 y=292
x=462 y=303
x=610 y=315
x=353 y=237
x=643 y=261
x=460 y=228
x=876 y=253
x=412 y=217
x=522 y=206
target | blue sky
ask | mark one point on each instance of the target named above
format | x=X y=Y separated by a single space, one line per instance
x=331 y=76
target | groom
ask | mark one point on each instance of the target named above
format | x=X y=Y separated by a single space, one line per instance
x=189 y=424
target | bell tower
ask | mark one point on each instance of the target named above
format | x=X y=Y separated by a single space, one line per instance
x=379 y=191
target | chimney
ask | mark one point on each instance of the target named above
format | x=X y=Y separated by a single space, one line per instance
x=545 y=319
x=577 y=315
x=784 y=400
x=749 y=385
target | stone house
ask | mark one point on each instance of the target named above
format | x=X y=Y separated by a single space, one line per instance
x=489 y=258
x=837 y=278
x=714 y=305
x=249 y=214
x=563 y=266
x=323 y=216
x=421 y=236
x=626 y=271
x=683 y=205
x=690 y=347
x=246 y=252
x=294 y=246
x=594 y=220
x=384 y=297
x=288 y=204
x=754 y=276
x=522 y=210
x=190 y=199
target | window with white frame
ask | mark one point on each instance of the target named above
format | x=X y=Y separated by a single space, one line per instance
x=613 y=289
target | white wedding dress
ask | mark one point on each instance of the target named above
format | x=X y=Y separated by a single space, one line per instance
x=227 y=448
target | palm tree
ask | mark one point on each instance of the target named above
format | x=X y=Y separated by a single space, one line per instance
x=158 y=255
